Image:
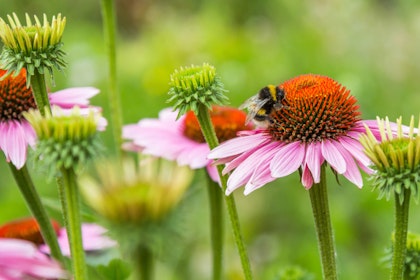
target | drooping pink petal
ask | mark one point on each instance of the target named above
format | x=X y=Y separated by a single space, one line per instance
x=20 y=259
x=314 y=160
x=352 y=172
x=333 y=156
x=13 y=141
x=244 y=171
x=94 y=239
x=70 y=97
x=307 y=179
x=238 y=145
x=287 y=159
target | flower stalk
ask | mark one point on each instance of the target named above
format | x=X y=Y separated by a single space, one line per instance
x=204 y=120
x=321 y=213
x=70 y=190
x=400 y=237
x=108 y=16
x=216 y=226
x=40 y=94
x=33 y=201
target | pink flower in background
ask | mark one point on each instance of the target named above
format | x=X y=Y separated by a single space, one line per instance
x=94 y=239
x=20 y=259
x=318 y=123
x=15 y=98
x=94 y=236
x=181 y=139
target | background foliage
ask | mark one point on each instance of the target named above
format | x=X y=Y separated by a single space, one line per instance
x=371 y=47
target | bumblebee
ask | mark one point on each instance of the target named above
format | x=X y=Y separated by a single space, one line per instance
x=263 y=103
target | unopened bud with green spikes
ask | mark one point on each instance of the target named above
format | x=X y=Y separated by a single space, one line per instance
x=396 y=159
x=65 y=140
x=193 y=86
x=34 y=46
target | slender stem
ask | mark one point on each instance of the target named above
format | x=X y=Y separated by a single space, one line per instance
x=74 y=231
x=33 y=201
x=144 y=264
x=39 y=90
x=216 y=226
x=321 y=213
x=204 y=120
x=400 y=237
x=108 y=15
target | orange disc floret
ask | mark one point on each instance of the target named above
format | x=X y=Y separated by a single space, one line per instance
x=227 y=122
x=315 y=108
x=27 y=229
x=15 y=97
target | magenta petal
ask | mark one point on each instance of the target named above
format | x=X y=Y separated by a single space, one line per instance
x=333 y=156
x=241 y=175
x=70 y=97
x=287 y=159
x=355 y=149
x=238 y=145
x=13 y=141
x=352 y=172
x=314 y=160
x=307 y=180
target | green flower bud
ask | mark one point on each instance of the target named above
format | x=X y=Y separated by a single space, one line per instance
x=65 y=140
x=34 y=46
x=196 y=85
x=396 y=159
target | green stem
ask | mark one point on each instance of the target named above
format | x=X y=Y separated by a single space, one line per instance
x=400 y=237
x=33 y=201
x=216 y=226
x=39 y=90
x=321 y=213
x=204 y=120
x=144 y=264
x=73 y=226
x=108 y=15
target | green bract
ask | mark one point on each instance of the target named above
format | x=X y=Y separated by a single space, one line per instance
x=196 y=85
x=64 y=141
x=396 y=159
x=34 y=46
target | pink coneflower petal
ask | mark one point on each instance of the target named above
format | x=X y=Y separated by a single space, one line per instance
x=287 y=159
x=234 y=146
x=94 y=239
x=20 y=259
x=333 y=156
x=314 y=160
x=181 y=139
x=70 y=97
x=15 y=138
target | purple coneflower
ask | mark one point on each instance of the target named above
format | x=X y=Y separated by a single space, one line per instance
x=181 y=139
x=15 y=98
x=20 y=259
x=318 y=123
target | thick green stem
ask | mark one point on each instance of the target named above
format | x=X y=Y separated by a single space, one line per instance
x=204 y=120
x=216 y=226
x=321 y=213
x=108 y=15
x=143 y=264
x=33 y=201
x=39 y=90
x=400 y=235
x=73 y=226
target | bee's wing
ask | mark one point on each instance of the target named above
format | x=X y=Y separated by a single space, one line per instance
x=253 y=104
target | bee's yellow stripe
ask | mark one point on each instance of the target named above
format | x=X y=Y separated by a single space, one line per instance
x=272 y=90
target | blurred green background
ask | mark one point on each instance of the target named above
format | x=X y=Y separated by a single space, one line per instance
x=371 y=47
